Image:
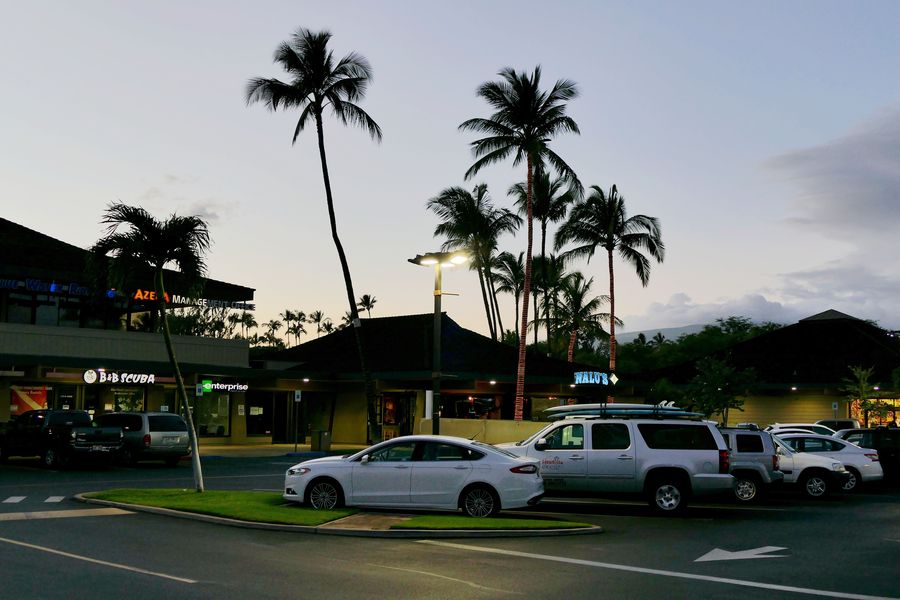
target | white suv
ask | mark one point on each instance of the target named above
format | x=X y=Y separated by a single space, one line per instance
x=665 y=459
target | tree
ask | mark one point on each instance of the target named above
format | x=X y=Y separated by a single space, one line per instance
x=318 y=82
x=578 y=310
x=858 y=389
x=525 y=120
x=717 y=387
x=316 y=318
x=150 y=244
x=470 y=221
x=552 y=198
x=510 y=274
x=366 y=303
x=601 y=221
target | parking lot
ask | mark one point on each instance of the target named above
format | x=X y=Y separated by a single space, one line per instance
x=844 y=546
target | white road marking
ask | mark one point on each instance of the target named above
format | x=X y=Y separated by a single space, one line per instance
x=97 y=562
x=453 y=579
x=660 y=572
x=720 y=554
x=64 y=514
x=14 y=499
x=55 y=499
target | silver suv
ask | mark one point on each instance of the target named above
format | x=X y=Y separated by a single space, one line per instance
x=150 y=436
x=754 y=462
x=667 y=460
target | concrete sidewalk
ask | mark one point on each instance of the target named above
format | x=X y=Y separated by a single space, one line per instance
x=263 y=450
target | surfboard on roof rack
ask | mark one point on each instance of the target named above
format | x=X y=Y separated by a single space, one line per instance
x=665 y=410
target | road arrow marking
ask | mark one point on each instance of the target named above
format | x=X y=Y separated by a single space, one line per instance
x=719 y=554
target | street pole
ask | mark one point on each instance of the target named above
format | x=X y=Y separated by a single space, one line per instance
x=436 y=354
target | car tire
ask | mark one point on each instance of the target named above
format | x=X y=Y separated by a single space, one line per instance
x=854 y=482
x=324 y=494
x=747 y=488
x=48 y=458
x=668 y=495
x=479 y=501
x=815 y=485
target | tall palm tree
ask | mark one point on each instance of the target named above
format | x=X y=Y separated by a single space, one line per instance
x=469 y=220
x=601 y=221
x=552 y=198
x=525 y=120
x=148 y=243
x=319 y=82
x=288 y=317
x=297 y=328
x=577 y=310
x=510 y=274
x=367 y=303
x=272 y=328
x=550 y=276
x=248 y=322
x=315 y=318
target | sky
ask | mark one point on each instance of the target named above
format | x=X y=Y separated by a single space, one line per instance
x=764 y=136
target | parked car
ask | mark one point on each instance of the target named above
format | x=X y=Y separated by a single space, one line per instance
x=754 y=462
x=816 y=475
x=838 y=424
x=812 y=427
x=150 y=436
x=861 y=463
x=884 y=440
x=59 y=437
x=665 y=459
x=419 y=471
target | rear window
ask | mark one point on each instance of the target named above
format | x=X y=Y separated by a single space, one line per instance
x=126 y=422
x=749 y=443
x=72 y=419
x=167 y=423
x=677 y=437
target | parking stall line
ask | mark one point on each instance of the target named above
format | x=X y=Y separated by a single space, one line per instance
x=96 y=561
x=14 y=499
x=659 y=572
x=55 y=499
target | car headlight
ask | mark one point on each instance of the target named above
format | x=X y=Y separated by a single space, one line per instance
x=298 y=471
x=837 y=467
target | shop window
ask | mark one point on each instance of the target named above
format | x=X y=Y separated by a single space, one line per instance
x=259 y=414
x=128 y=399
x=20 y=309
x=46 y=311
x=212 y=415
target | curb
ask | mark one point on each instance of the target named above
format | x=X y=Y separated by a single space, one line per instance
x=346 y=531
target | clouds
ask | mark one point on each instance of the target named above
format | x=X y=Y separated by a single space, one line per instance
x=174 y=193
x=849 y=187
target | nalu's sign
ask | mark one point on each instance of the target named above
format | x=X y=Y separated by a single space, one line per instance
x=104 y=376
x=591 y=377
x=208 y=385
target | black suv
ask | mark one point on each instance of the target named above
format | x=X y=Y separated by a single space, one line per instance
x=886 y=440
x=754 y=462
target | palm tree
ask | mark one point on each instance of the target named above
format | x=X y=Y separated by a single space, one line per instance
x=510 y=274
x=601 y=221
x=288 y=317
x=550 y=204
x=272 y=328
x=316 y=317
x=248 y=322
x=152 y=244
x=578 y=311
x=297 y=328
x=549 y=278
x=524 y=121
x=318 y=82
x=367 y=303
x=469 y=220
x=328 y=326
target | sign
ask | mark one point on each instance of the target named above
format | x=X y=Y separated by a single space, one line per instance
x=298 y=395
x=150 y=295
x=164 y=408
x=210 y=386
x=596 y=377
x=240 y=410
x=198 y=390
x=25 y=398
x=834 y=406
x=91 y=376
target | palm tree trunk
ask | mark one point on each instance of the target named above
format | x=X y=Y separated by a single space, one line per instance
x=179 y=382
x=348 y=282
x=526 y=292
x=484 y=298
x=544 y=277
x=517 y=315
x=612 y=321
x=496 y=304
x=572 y=337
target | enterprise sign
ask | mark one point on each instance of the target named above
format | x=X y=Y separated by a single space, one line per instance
x=103 y=376
x=208 y=385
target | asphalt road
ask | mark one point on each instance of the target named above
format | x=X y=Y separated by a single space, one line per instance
x=842 y=547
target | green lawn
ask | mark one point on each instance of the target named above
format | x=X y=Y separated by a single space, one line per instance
x=270 y=507
x=262 y=507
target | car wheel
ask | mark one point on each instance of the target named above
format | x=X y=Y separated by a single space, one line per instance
x=668 y=496
x=854 y=482
x=814 y=485
x=48 y=458
x=746 y=488
x=480 y=501
x=324 y=494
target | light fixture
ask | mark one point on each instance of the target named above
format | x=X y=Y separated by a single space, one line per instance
x=493 y=382
x=306 y=380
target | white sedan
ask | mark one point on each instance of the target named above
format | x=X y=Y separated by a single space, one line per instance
x=862 y=463
x=419 y=471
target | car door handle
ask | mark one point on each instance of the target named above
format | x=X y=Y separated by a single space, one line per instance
x=401 y=466
x=576 y=457
x=625 y=457
x=461 y=467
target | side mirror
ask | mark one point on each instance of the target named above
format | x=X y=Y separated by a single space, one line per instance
x=541 y=444
x=365 y=459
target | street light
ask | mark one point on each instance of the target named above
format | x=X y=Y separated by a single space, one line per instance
x=439 y=260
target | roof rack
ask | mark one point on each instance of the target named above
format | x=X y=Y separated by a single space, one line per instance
x=607 y=410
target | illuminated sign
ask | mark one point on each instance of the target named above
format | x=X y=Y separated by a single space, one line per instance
x=591 y=377
x=43 y=287
x=102 y=376
x=209 y=385
x=204 y=302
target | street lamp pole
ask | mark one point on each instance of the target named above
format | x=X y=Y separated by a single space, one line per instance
x=439 y=260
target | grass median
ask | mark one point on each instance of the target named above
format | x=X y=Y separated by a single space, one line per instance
x=270 y=507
